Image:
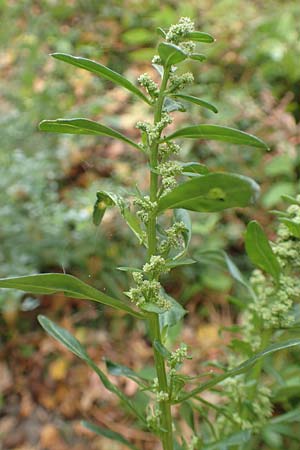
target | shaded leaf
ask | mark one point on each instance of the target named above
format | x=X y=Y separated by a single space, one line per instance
x=102 y=71
x=294 y=228
x=235 y=272
x=211 y=193
x=242 y=437
x=83 y=126
x=242 y=368
x=259 y=250
x=49 y=283
x=170 y=54
x=218 y=133
x=192 y=169
x=162 y=350
x=181 y=215
x=197 y=101
x=173 y=315
x=119 y=370
x=107 y=433
x=171 y=105
x=71 y=343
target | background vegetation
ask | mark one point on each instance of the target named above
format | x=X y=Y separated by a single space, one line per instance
x=48 y=184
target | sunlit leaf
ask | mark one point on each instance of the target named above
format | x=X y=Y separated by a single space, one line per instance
x=192 y=169
x=211 y=193
x=218 y=133
x=102 y=71
x=259 y=250
x=83 y=126
x=199 y=36
x=49 y=283
x=170 y=54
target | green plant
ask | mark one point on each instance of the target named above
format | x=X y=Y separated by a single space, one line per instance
x=166 y=238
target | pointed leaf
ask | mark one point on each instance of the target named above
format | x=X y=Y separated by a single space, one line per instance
x=236 y=439
x=173 y=315
x=211 y=193
x=192 y=169
x=119 y=370
x=235 y=272
x=101 y=71
x=71 y=343
x=181 y=215
x=49 y=283
x=259 y=250
x=170 y=54
x=83 y=126
x=198 y=57
x=218 y=133
x=171 y=105
x=197 y=101
x=242 y=368
x=199 y=36
x=108 y=434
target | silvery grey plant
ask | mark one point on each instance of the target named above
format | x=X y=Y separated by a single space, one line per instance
x=176 y=187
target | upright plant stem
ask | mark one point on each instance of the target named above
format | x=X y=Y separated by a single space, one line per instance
x=153 y=318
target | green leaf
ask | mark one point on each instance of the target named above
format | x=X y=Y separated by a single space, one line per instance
x=106 y=199
x=72 y=344
x=193 y=169
x=171 y=105
x=170 y=54
x=211 y=193
x=199 y=102
x=49 y=283
x=294 y=228
x=108 y=434
x=173 y=315
x=162 y=350
x=181 y=215
x=198 y=57
x=242 y=368
x=218 y=133
x=236 y=439
x=119 y=370
x=259 y=250
x=101 y=71
x=83 y=126
x=199 y=36
x=235 y=272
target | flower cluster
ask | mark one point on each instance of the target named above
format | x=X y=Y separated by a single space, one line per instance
x=151 y=87
x=167 y=149
x=178 y=356
x=156 y=266
x=174 y=237
x=153 y=132
x=180 y=30
x=259 y=409
x=147 y=292
x=179 y=82
x=146 y=208
x=169 y=171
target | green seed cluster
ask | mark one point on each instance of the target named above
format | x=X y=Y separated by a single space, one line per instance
x=180 y=31
x=167 y=149
x=178 y=356
x=174 y=237
x=151 y=87
x=156 y=266
x=153 y=132
x=169 y=171
x=146 y=208
x=179 y=82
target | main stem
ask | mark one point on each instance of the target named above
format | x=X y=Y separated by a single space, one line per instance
x=153 y=318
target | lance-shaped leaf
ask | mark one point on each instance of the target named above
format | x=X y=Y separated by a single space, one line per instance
x=49 y=283
x=119 y=370
x=83 y=126
x=106 y=199
x=109 y=434
x=197 y=57
x=226 y=443
x=71 y=343
x=199 y=36
x=236 y=274
x=170 y=54
x=194 y=169
x=211 y=193
x=101 y=71
x=242 y=368
x=218 y=133
x=197 y=101
x=259 y=250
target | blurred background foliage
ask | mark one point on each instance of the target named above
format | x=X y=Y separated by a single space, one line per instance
x=48 y=183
